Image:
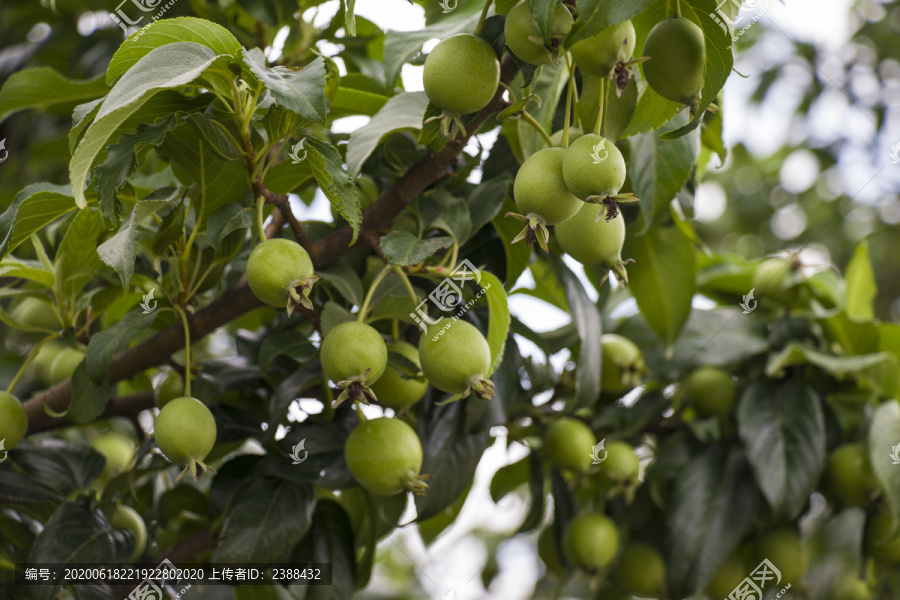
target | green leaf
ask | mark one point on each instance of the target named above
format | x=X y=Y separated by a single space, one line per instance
x=166 y=67
x=855 y=338
x=884 y=443
x=509 y=478
x=403 y=248
x=337 y=185
x=215 y=135
x=280 y=122
x=357 y=94
x=499 y=318
x=301 y=90
x=590 y=353
x=330 y=540
x=662 y=279
x=659 y=169
x=402 y=112
x=286 y=177
x=268 y=518
x=345 y=281
x=485 y=202
x=82 y=116
x=104 y=344
x=652 y=112
x=719 y=58
x=712 y=506
x=596 y=15
x=88 y=398
x=34 y=208
x=517 y=255
x=861 y=288
x=285 y=343
x=543 y=17
x=78 y=251
x=880 y=371
x=168 y=31
x=226 y=219
x=40 y=87
x=783 y=430
x=119 y=164
x=170 y=230
x=61 y=466
x=431 y=134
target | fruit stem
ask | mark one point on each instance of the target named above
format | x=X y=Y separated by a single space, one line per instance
x=484 y=12
x=187 y=349
x=576 y=118
x=570 y=94
x=28 y=359
x=601 y=110
x=361 y=316
x=677 y=11
x=408 y=286
x=537 y=126
x=260 y=228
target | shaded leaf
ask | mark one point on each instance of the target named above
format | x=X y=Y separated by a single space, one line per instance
x=40 y=87
x=402 y=112
x=301 y=90
x=403 y=248
x=337 y=185
x=104 y=344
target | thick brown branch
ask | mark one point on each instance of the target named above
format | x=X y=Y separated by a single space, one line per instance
x=239 y=299
x=283 y=204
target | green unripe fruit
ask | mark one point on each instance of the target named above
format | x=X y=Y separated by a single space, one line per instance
x=351 y=349
x=541 y=192
x=881 y=545
x=850 y=587
x=557 y=136
x=642 y=569
x=118 y=449
x=598 y=54
x=520 y=30
x=785 y=550
x=455 y=356
x=31 y=312
x=774 y=280
x=593 y=166
x=621 y=464
x=623 y=364
x=275 y=267
x=185 y=430
x=569 y=443
x=712 y=391
x=127 y=518
x=591 y=242
x=171 y=387
x=591 y=541
x=729 y=575
x=677 y=64
x=65 y=364
x=547 y=550
x=384 y=456
x=392 y=389
x=13 y=420
x=461 y=74
x=850 y=474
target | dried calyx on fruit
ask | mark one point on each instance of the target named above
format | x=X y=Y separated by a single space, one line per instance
x=608 y=54
x=384 y=456
x=280 y=273
x=524 y=39
x=456 y=358
x=354 y=356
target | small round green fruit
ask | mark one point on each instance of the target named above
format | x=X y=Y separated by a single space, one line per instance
x=569 y=444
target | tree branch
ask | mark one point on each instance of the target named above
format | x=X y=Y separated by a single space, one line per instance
x=239 y=299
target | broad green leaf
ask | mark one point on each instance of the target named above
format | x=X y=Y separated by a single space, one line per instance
x=719 y=58
x=168 y=31
x=651 y=112
x=40 y=87
x=330 y=540
x=357 y=94
x=589 y=326
x=712 y=506
x=285 y=343
x=78 y=251
x=596 y=15
x=783 y=430
x=403 y=111
x=547 y=286
x=29 y=214
x=431 y=134
x=301 y=90
x=104 y=344
x=430 y=529
x=485 y=202
x=860 y=281
x=517 y=255
x=228 y=218
x=337 y=185
x=880 y=371
x=286 y=177
x=345 y=281
x=509 y=478
x=62 y=466
x=498 y=316
x=169 y=66
x=169 y=231
x=659 y=169
x=403 y=248
x=855 y=338
x=662 y=279
x=268 y=518
x=88 y=398
x=27 y=269
x=543 y=17
x=280 y=122
x=216 y=136
x=119 y=251
x=119 y=164
x=82 y=116
x=884 y=445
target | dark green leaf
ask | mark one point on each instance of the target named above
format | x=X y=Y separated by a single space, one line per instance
x=337 y=185
x=403 y=248
x=170 y=230
x=104 y=344
x=301 y=90
x=590 y=328
x=345 y=281
x=517 y=255
x=33 y=208
x=596 y=15
x=285 y=343
x=18 y=489
x=404 y=111
x=215 y=135
x=330 y=540
x=230 y=217
x=280 y=122
x=78 y=251
x=880 y=371
x=40 y=87
x=431 y=134
x=88 y=398
x=60 y=466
